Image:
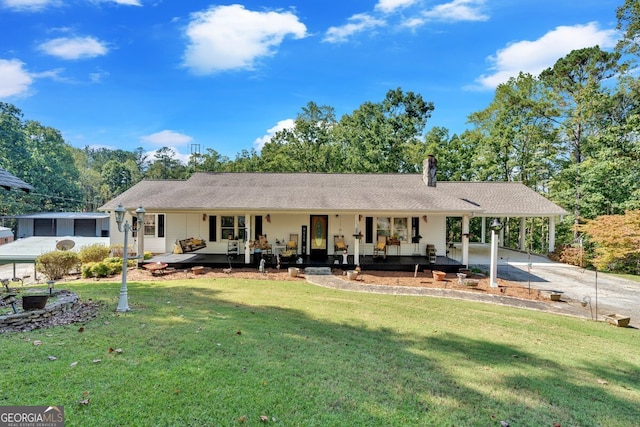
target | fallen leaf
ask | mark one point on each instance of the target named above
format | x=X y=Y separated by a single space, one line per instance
x=73 y=365
x=97 y=360
x=239 y=333
x=84 y=402
x=110 y=350
x=504 y=424
x=556 y=425
x=86 y=393
x=118 y=350
x=176 y=391
x=37 y=342
x=603 y=382
x=242 y=419
x=52 y=358
x=81 y=329
x=264 y=418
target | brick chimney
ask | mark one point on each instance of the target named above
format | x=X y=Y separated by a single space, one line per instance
x=429 y=166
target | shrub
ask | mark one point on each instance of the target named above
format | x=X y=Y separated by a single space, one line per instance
x=101 y=269
x=86 y=270
x=118 y=250
x=93 y=253
x=573 y=255
x=147 y=255
x=57 y=264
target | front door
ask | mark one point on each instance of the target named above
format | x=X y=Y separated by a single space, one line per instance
x=318 y=236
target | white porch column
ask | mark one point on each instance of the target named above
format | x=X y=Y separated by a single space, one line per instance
x=140 y=240
x=465 y=240
x=356 y=240
x=483 y=237
x=523 y=234
x=247 y=246
x=552 y=233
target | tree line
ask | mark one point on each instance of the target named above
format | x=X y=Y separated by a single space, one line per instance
x=570 y=133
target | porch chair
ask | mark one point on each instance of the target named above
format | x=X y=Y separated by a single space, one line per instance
x=380 y=249
x=338 y=244
x=264 y=245
x=292 y=244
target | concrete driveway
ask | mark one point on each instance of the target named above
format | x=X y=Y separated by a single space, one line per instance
x=605 y=293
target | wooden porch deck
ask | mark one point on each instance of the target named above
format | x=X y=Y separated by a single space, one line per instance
x=390 y=263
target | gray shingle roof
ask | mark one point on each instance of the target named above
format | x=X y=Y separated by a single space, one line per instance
x=310 y=192
x=8 y=181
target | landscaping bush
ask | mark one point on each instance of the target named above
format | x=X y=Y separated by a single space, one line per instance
x=86 y=270
x=101 y=269
x=118 y=250
x=105 y=268
x=93 y=253
x=573 y=255
x=57 y=264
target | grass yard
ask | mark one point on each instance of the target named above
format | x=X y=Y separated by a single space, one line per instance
x=227 y=352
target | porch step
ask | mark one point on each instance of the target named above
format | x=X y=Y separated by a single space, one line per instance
x=320 y=271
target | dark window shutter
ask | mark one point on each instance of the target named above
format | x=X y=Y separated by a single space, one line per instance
x=160 y=225
x=368 y=230
x=257 y=232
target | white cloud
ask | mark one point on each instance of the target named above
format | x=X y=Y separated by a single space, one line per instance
x=29 y=5
x=282 y=124
x=15 y=79
x=389 y=6
x=74 y=47
x=413 y=16
x=167 y=138
x=357 y=24
x=535 y=56
x=458 y=10
x=231 y=37
x=128 y=2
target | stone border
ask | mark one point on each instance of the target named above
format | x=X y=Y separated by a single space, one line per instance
x=66 y=301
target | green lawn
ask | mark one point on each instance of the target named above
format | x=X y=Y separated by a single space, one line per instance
x=225 y=352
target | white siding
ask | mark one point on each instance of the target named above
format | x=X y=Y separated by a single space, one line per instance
x=64 y=227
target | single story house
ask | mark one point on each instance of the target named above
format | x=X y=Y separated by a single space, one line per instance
x=229 y=211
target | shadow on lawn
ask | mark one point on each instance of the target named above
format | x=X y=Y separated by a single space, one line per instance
x=307 y=371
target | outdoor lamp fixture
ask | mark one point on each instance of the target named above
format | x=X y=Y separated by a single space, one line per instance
x=50 y=284
x=495 y=227
x=126 y=228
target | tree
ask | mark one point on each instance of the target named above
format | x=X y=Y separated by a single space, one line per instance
x=617 y=241
x=517 y=140
x=576 y=86
x=377 y=136
x=166 y=166
x=628 y=16
x=308 y=146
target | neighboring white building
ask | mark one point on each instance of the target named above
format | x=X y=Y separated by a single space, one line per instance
x=6 y=235
x=52 y=224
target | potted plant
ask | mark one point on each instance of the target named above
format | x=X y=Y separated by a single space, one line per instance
x=416 y=238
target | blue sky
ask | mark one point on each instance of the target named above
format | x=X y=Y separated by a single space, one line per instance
x=226 y=76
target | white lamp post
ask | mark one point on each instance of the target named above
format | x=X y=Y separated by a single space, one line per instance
x=126 y=228
x=495 y=226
